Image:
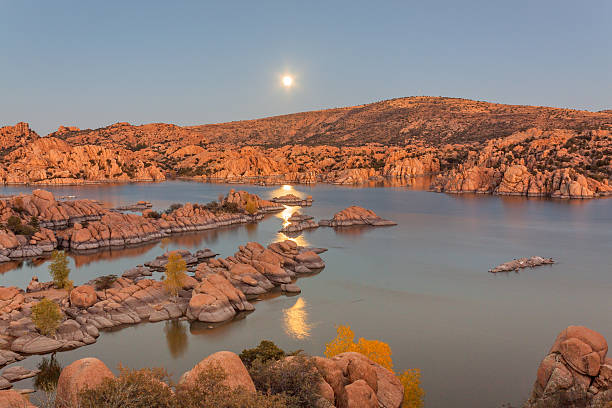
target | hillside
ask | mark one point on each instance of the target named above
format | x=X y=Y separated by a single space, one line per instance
x=430 y=120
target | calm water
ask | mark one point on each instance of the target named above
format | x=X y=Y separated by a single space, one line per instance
x=422 y=287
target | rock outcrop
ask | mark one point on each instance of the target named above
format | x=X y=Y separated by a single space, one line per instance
x=355 y=215
x=80 y=225
x=575 y=373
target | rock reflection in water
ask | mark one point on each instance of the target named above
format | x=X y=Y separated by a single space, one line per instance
x=176 y=337
x=286 y=214
x=296 y=320
x=300 y=239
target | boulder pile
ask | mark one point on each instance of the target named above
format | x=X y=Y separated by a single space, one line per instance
x=575 y=373
x=348 y=380
x=355 y=215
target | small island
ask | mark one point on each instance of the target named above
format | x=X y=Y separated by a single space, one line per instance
x=355 y=215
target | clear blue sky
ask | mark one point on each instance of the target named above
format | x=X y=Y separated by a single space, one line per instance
x=91 y=64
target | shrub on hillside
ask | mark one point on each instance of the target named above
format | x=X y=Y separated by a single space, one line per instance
x=150 y=388
x=14 y=224
x=295 y=376
x=131 y=389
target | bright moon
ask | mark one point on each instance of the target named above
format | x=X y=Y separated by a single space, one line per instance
x=287 y=81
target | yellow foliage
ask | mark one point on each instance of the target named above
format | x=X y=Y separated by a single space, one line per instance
x=413 y=393
x=175 y=273
x=380 y=353
x=251 y=206
x=46 y=316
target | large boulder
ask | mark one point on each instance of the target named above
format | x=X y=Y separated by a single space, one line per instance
x=82 y=374
x=575 y=373
x=356 y=366
x=374 y=385
x=583 y=349
x=236 y=373
x=83 y=296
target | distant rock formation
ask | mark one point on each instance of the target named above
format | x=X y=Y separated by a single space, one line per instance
x=575 y=373
x=472 y=146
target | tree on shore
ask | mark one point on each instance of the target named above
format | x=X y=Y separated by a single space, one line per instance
x=380 y=353
x=46 y=316
x=175 y=273
x=59 y=270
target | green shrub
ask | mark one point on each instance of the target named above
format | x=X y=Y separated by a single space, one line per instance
x=105 y=282
x=46 y=316
x=14 y=224
x=265 y=352
x=173 y=207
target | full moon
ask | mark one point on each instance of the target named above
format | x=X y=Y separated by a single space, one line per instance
x=287 y=81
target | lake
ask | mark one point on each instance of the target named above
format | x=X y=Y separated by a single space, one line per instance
x=421 y=286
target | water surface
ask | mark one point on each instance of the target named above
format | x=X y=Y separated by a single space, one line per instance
x=422 y=286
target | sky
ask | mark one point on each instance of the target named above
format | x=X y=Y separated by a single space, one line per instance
x=90 y=64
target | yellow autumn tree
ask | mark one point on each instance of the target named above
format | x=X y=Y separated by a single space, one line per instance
x=251 y=206
x=175 y=273
x=380 y=353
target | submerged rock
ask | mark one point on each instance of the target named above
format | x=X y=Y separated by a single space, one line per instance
x=520 y=263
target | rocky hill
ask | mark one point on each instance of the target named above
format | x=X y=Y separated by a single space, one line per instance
x=431 y=120
x=471 y=146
